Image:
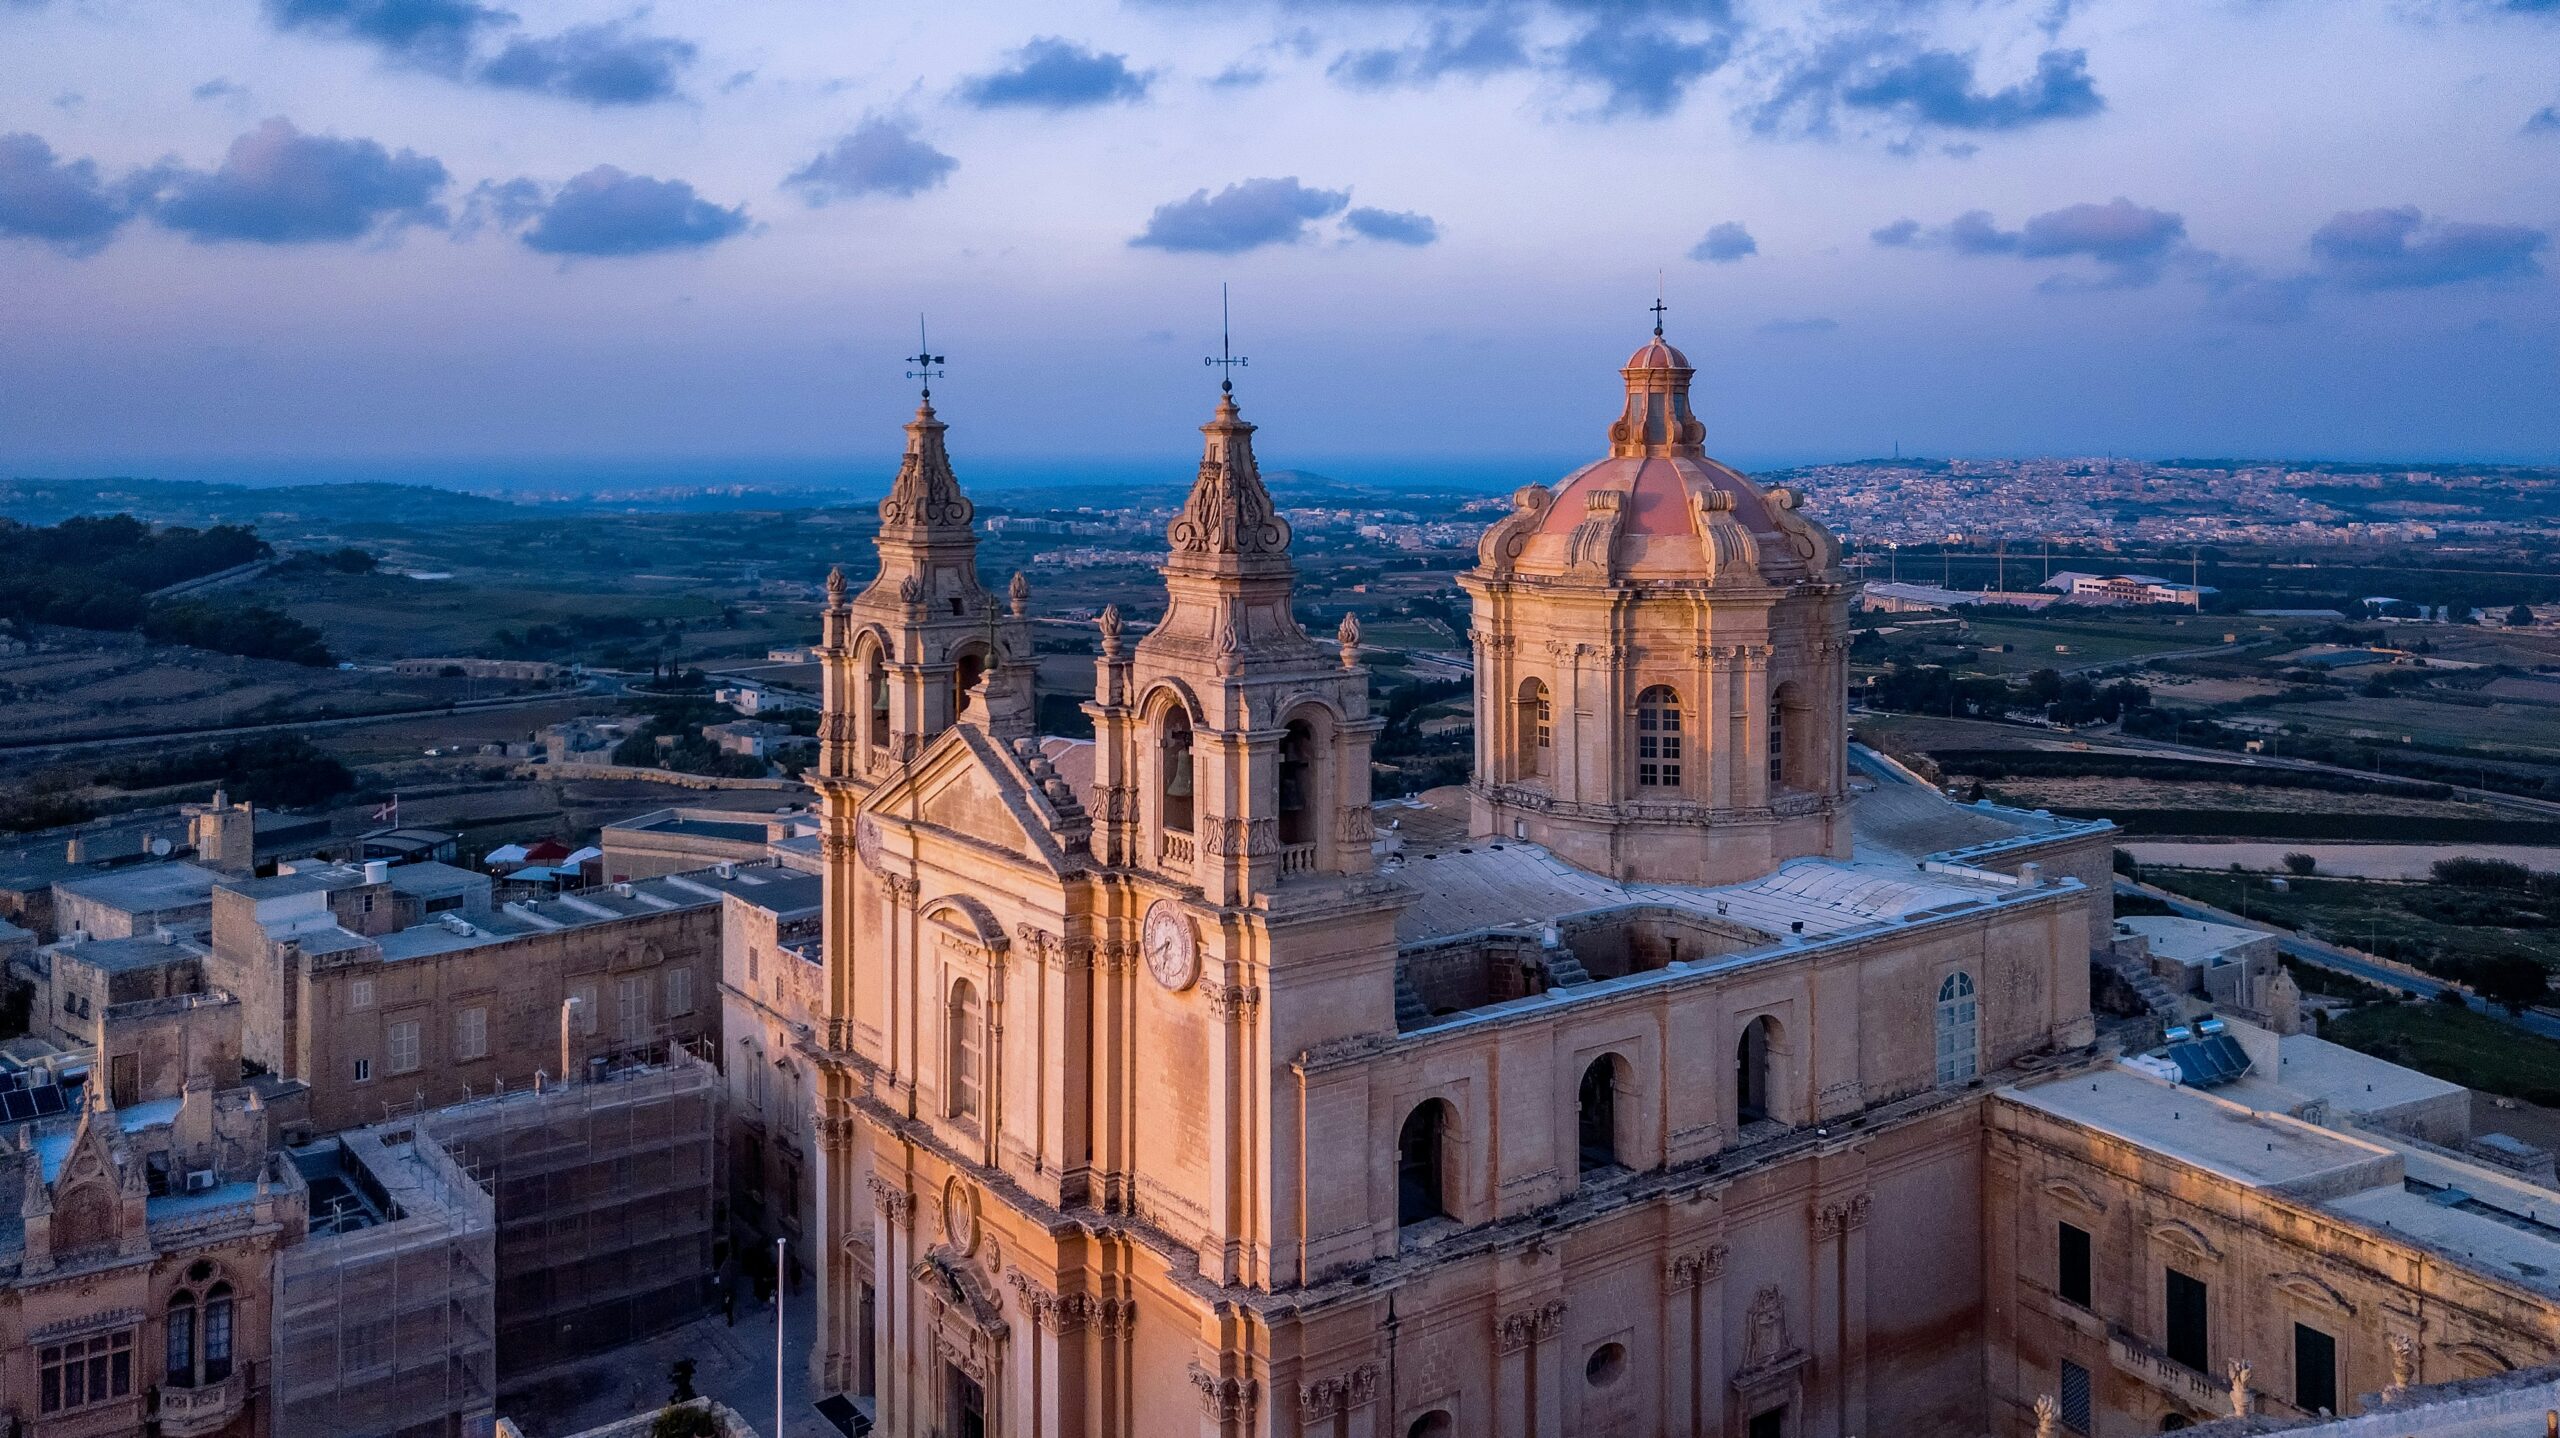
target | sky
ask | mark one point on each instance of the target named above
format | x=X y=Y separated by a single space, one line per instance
x=695 y=238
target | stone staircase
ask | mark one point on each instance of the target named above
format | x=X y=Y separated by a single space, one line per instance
x=1411 y=1012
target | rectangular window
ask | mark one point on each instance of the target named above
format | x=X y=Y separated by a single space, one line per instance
x=585 y=994
x=2315 y=1370
x=752 y=966
x=631 y=1005
x=364 y=1071
x=404 y=1047
x=2074 y=1280
x=2075 y=1397
x=679 y=992
x=1771 y=1423
x=85 y=1371
x=360 y=994
x=2186 y=1311
x=471 y=1034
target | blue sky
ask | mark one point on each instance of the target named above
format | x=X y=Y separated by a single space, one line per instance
x=354 y=230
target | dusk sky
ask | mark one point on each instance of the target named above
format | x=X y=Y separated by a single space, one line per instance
x=394 y=230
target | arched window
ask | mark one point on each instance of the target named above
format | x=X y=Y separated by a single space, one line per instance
x=1173 y=770
x=1959 y=1029
x=1297 y=782
x=1599 y=1114
x=964 y=1050
x=182 y=1339
x=1790 y=730
x=1534 y=722
x=217 y=1333
x=875 y=688
x=965 y=674
x=1435 y=1424
x=1420 y=1163
x=1751 y=1070
x=1658 y=738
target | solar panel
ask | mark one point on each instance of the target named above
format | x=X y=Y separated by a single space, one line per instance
x=2208 y=1062
x=50 y=1099
x=16 y=1104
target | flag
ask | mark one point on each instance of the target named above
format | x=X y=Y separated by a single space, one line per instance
x=389 y=813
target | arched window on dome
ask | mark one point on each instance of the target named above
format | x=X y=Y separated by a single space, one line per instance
x=1959 y=1029
x=1173 y=772
x=1658 y=738
x=1791 y=762
x=1533 y=725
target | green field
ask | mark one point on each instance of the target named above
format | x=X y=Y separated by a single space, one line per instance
x=2113 y=639
x=2423 y=924
x=2455 y=1045
x=2528 y=729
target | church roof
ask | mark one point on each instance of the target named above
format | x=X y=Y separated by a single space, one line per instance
x=1657 y=502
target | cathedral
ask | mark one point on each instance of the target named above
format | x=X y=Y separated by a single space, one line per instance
x=1693 y=1071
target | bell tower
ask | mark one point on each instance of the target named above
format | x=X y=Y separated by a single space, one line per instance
x=1234 y=749
x=924 y=640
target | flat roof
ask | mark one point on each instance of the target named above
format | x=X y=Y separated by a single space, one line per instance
x=2193 y=942
x=307 y=881
x=432 y=877
x=797 y=893
x=2260 y=1150
x=666 y=893
x=122 y=956
x=2346 y=1080
x=143 y=888
x=2495 y=1224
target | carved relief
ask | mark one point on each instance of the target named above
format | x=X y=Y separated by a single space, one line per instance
x=1339 y=1393
x=1519 y=1328
x=1765 y=1329
x=893 y=1202
x=1694 y=1267
x=1229 y=1000
x=1225 y=1400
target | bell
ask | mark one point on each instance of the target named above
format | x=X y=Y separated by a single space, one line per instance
x=1178 y=785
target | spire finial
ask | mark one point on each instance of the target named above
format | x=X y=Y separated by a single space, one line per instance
x=924 y=360
x=1658 y=308
x=1227 y=355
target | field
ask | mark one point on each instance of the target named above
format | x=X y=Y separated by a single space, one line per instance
x=2425 y=924
x=2350 y=861
x=2101 y=639
x=2455 y=1045
x=2516 y=728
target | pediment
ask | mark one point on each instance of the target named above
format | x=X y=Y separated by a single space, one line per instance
x=2177 y=1234
x=2312 y=1288
x=965 y=785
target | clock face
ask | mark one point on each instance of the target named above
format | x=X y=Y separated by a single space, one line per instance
x=866 y=842
x=1172 y=955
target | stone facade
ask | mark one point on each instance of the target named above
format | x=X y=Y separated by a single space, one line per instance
x=1156 y=1091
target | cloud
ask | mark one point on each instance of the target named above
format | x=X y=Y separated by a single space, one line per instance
x=57 y=202
x=2545 y=121
x=1645 y=71
x=1902 y=234
x=1396 y=227
x=1054 y=74
x=1487 y=47
x=433 y=34
x=1891 y=78
x=1238 y=76
x=218 y=89
x=607 y=64
x=2395 y=249
x=279 y=186
x=2129 y=242
x=1724 y=244
x=1243 y=216
x=605 y=212
x=1810 y=325
x=881 y=157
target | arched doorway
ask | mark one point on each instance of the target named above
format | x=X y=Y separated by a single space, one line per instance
x=1422 y=1163
x=1597 y=1104
x=1751 y=1096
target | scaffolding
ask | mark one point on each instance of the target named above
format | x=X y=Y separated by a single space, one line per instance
x=384 y=1315
x=604 y=1196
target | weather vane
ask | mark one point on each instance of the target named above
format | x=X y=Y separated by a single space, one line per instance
x=1226 y=350
x=924 y=360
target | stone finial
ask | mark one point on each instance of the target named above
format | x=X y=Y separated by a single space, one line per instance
x=1109 y=624
x=2239 y=1370
x=926 y=499
x=835 y=587
x=1229 y=515
x=2048 y=1416
x=1018 y=594
x=1348 y=636
x=2404 y=1367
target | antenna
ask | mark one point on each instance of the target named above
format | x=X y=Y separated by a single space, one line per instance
x=1227 y=355
x=924 y=360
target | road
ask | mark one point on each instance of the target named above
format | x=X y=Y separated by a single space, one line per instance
x=236 y=731
x=2313 y=766
x=2330 y=956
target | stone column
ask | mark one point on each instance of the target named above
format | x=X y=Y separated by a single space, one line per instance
x=1853 y=1283
x=898 y=1382
x=1822 y=1396
x=1693 y=1324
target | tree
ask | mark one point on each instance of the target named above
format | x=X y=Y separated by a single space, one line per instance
x=680 y=1373
x=2509 y=979
x=2520 y=617
x=2300 y=865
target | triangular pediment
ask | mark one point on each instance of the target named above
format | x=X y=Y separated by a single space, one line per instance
x=967 y=783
